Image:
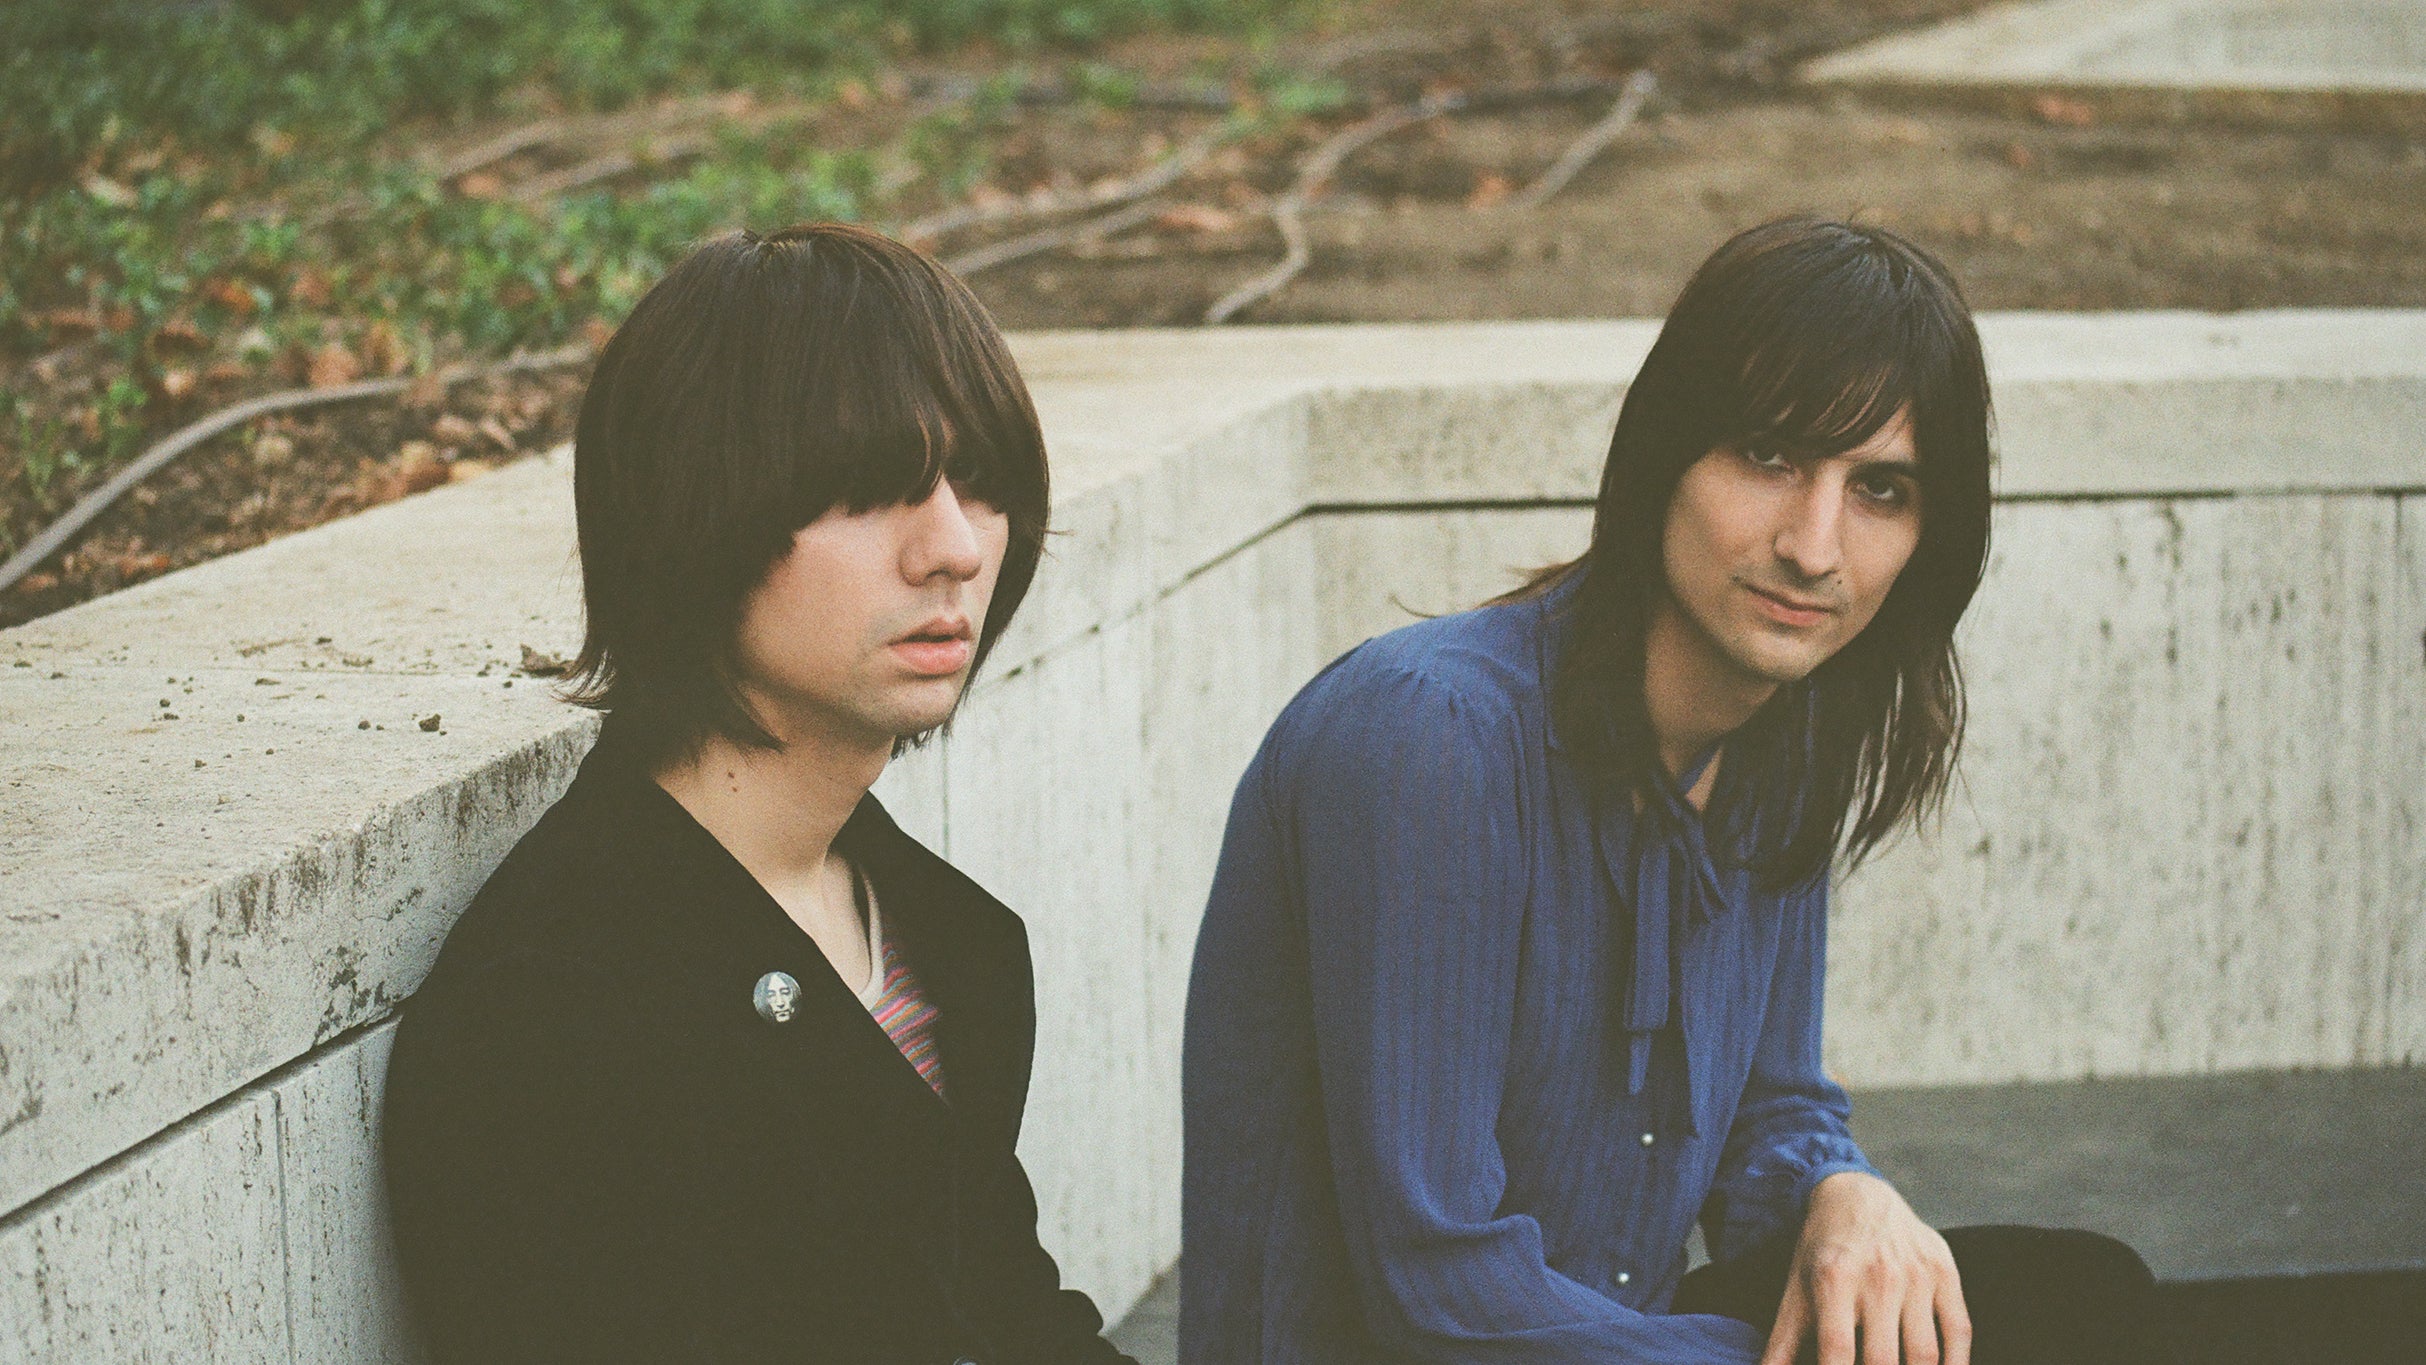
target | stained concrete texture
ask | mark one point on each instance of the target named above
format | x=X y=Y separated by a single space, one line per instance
x=2361 y=61
x=2208 y=1177
x=2274 y=1206
x=194 y=895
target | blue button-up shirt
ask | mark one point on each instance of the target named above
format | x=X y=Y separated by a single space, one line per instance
x=1469 y=1049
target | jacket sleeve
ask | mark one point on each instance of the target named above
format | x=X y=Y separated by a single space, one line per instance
x=528 y=1224
x=1035 y=1321
x=1404 y=815
x=1790 y=1130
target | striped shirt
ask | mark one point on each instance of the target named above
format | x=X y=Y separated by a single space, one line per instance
x=897 y=1002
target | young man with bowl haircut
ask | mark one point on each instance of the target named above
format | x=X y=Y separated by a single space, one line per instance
x=1512 y=965
x=721 y=1065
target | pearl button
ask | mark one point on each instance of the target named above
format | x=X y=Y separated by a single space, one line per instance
x=1648 y=1139
x=1625 y=1277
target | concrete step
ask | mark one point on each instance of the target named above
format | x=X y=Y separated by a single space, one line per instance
x=2210 y=1177
x=2285 y=1212
x=2351 y=62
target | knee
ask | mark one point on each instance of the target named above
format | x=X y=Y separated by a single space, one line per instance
x=2088 y=1261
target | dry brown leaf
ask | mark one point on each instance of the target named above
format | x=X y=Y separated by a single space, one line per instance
x=311 y=288
x=427 y=391
x=226 y=372
x=234 y=296
x=272 y=449
x=34 y=583
x=495 y=431
x=177 y=382
x=2019 y=157
x=597 y=332
x=481 y=185
x=333 y=365
x=2063 y=110
x=418 y=467
x=134 y=566
x=179 y=335
x=69 y=323
x=453 y=430
x=1490 y=187
x=382 y=349
x=1196 y=218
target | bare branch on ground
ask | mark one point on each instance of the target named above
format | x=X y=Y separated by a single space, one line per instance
x=1152 y=180
x=1288 y=211
x=1636 y=93
x=1052 y=239
x=59 y=533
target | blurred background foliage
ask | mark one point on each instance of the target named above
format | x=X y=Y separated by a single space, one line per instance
x=202 y=198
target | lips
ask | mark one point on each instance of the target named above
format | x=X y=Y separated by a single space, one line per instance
x=938 y=647
x=1788 y=610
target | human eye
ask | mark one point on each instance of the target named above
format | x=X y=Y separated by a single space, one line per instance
x=971 y=479
x=1884 y=489
x=1761 y=457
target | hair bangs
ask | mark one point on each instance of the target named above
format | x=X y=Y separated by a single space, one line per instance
x=1814 y=385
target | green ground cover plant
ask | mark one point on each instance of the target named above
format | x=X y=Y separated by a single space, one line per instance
x=205 y=198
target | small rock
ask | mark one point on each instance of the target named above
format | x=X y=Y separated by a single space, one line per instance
x=540 y=665
x=430 y=722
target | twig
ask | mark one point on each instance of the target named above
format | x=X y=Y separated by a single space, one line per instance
x=1048 y=239
x=675 y=147
x=499 y=148
x=1638 y=90
x=151 y=461
x=1152 y=180
x=555 y=127
x=1288 y=211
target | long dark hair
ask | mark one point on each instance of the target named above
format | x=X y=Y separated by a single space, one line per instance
x=1810 y=336
x=762 y=382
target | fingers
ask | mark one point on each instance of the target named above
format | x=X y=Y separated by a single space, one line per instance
x=1793 y=1322
x=1836 y=1306
x=1921 y=1342
x=1954 y=1322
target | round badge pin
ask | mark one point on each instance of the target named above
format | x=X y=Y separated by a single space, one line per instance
x=776 y=997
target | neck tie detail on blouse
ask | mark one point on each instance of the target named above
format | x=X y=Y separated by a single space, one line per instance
x=1660 y=861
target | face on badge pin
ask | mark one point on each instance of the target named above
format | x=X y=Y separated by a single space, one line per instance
x=774 y=997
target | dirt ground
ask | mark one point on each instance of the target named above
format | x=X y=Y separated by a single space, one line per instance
x=2050 y=209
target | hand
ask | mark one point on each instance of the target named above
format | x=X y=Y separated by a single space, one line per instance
x=1868 y=1274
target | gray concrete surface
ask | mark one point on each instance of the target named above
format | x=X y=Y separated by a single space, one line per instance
x=2274 y=1174
x=2208 y=1177
x=2205 y=629
x=2341 y=61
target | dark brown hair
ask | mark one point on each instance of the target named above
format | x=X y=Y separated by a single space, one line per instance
x=764 y=381
x=1805 y=336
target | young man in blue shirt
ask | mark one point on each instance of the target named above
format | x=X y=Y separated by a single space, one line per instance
x=1512 y=966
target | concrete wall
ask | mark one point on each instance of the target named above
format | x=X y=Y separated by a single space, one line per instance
x=2189 y=839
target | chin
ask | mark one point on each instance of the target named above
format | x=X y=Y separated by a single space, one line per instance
x=1780 y=667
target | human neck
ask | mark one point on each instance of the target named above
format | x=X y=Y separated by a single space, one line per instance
x=777 y=811
x=1696 y=696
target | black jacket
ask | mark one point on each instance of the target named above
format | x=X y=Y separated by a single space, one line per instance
x=597 y=1149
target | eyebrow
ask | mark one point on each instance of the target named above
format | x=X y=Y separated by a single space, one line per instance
x=1901 y=464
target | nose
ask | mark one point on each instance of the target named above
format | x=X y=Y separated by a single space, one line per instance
x=944 y=541
x=1811 y=538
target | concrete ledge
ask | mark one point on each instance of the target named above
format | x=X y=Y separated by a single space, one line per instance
x=2346 y=63
x=203 y=902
